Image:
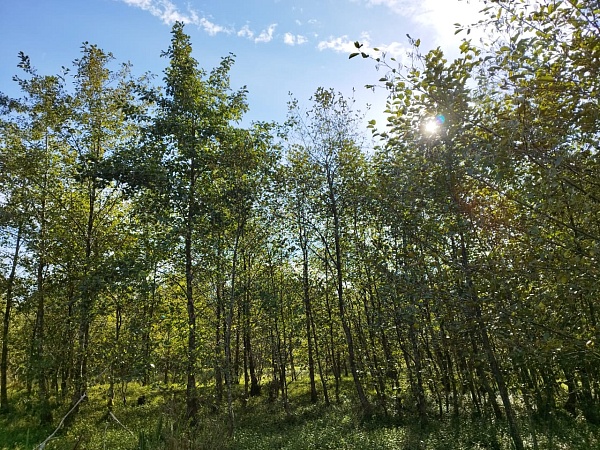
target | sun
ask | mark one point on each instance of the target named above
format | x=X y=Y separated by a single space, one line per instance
x=431 y=126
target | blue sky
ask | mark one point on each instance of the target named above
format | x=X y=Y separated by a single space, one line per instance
x=281 y=46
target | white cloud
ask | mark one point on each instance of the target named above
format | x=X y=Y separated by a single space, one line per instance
x=439 y=16
x=394 y=49
x=171 y=14
x=388 y=3
x=343 y=44
x=245 y=32
x=290 y=39
x=403 y=7
x=266 y=35
x=212 y=28
x=168 y=13
x=165 y=10
x=339 y=45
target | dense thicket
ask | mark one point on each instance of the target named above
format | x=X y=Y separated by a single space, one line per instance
x=450 y=269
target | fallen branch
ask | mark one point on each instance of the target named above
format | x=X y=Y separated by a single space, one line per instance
x=42 y=446
x=117 y=420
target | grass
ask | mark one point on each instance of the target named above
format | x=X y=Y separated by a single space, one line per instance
x=19 y=427
x=159 y=424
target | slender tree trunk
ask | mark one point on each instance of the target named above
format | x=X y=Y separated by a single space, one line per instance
x=513 y=425
x=191 y=393
x=335 y=367
x=45 y=412
x=219 y=343
x=235 y=364
x=228 y=332
x=450 y=375
x=40 y=361
x=390 y=361
x=377 y=367
x=249 y=353
x=68 y=343
x=87 y=296
x=419 y=390
x=364 y=402
x=111 y=387
x=252 y=378
x=149 y=306
x=6 y=323
x=281 y=353
x=308 y=315
x=319 y=363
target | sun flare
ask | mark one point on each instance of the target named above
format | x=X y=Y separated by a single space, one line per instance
x=431 y=126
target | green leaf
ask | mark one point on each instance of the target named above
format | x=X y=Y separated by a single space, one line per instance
x=352 y=55
x=546 y=78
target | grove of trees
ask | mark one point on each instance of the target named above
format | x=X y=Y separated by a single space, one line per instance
x=446 y=263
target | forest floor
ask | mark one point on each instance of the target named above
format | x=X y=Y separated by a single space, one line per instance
x=261 y=424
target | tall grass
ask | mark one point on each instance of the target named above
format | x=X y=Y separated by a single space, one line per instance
x=160 y=424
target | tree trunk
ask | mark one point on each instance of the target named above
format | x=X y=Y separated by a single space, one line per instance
x=513 y=426
x=114 y=356
x=190 y=391
x=364 y=402
x=335 y=367
x=319 y=364
x=149 y=305
x=41 y=370
x=249 y=359
x=281 y=353
x=6 y=323
x=45 y=412
x=308 y=319
x=219 y=344
x=87 y=293
x=419 y=390
x=227 y=334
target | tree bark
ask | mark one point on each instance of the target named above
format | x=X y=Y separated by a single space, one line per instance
x=364 y=402
x=513 y=425
x=190 y=391
x=87 y=293
x=6 y=323
x=228 y=333
x=307 y=313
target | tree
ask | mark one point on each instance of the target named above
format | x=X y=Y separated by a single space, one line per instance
x=326 y=135
x=33 y=150
x=455 y=165
x=191 y=129
x=299 y=184
x=10 y=219
x=97 y=128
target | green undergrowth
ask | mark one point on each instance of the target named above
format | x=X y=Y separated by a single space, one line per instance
x=159 y=423
x=19 y=428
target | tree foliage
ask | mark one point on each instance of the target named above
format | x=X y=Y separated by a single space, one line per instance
x=447 y=266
